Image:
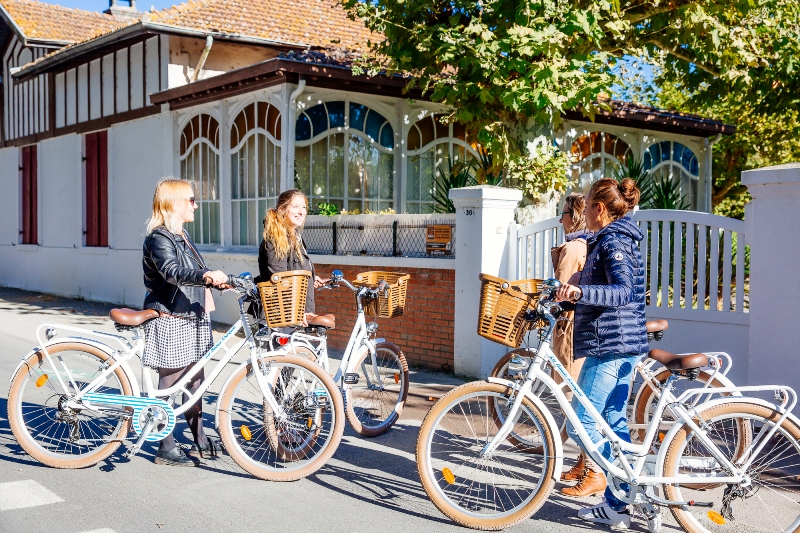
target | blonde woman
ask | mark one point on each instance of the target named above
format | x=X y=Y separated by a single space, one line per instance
x=282 y=248
x=176 y=279
x=568 y=260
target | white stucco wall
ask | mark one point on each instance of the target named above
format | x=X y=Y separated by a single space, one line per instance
x=9 y=201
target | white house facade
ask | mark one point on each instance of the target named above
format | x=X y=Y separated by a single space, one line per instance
x=246 y=104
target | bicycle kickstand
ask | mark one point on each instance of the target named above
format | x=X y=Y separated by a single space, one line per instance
x=148 y=427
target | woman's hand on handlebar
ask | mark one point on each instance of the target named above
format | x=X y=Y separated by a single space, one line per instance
x=216 y=278
x=568 y=293
x=319 y=282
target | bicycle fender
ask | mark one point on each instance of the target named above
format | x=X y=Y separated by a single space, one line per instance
x=126 y=368
x=549 y=420
x=707 y=405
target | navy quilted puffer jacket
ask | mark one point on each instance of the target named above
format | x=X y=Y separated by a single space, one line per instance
x=609 y=317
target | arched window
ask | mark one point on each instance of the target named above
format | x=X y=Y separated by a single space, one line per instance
x=673 y=160
x=595 y=155
x=431 y=143
x=255 y=169
x=199 y=156
x=343 y=156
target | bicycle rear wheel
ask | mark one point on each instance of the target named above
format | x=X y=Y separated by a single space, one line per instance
x=374 y=403
x=312 y=429
x=45 y=427
x=491 y=492
x=769 y=502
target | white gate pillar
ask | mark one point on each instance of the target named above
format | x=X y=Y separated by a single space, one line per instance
x=483 y=214
x=773 y=233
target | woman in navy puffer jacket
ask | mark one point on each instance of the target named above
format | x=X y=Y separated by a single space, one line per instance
x=609 y=326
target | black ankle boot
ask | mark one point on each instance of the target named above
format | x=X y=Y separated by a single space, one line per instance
x=173 y=457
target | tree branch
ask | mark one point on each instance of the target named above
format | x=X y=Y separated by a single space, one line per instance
x=681 y=55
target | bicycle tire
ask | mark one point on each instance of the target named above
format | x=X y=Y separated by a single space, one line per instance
x=500 y=370
x=523 y=466
x=684 y=455
x=361 y=403
x=34 y=369
x=645 y=399
x=241 y=403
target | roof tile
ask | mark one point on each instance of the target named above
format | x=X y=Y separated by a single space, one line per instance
x=38 y=20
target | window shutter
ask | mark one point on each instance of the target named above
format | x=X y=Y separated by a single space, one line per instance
x=30 y=215
x=97 y=189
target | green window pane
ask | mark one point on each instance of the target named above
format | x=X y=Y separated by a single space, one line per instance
x=251 y=168
x=235 y=176
x=206 y=221
x=356 y=169
x=214 y=237
x=412 y=178
x=319 y=168
x=261 y=143
x=242 y=223
x=386 y=176
x=302 y=162
x=336 y=164
x=252 y=222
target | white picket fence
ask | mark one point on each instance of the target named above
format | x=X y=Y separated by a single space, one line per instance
x=693 y=261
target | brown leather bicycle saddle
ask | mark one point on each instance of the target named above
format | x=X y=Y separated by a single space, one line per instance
x=325 y=321
x=131 y=317
x=657 y=325
x=674 y=361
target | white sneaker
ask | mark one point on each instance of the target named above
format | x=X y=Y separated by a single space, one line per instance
x=602 y=513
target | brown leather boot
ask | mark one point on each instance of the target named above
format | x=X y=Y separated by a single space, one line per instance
x=591 y=484
x=576 y=472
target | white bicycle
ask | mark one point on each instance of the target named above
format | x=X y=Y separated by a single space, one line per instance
x=373 y=373
x=74 y=399
x=490 y=472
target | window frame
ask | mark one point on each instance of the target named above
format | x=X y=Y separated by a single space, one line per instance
x=95 y=189
x=29 y=203
x=206 y=145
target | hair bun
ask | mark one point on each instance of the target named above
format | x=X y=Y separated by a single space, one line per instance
x=629 y=192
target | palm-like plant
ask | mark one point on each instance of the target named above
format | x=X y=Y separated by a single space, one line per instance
x=485 y=171
x=450 y=176
x=663 y=192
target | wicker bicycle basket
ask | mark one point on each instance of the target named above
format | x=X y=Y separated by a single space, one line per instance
x=502 y=308
x=394 y=304
x=284 y=298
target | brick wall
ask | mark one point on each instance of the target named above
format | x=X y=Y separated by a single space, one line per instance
x=424 y=332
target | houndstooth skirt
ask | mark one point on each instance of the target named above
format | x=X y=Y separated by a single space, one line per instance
x=175 y=342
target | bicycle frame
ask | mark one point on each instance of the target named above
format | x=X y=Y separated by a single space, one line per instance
x=632 y=473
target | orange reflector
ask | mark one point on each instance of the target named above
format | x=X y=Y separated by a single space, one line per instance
x=310 y=422
x=245 y=431
x=448 y=476
x=716 y=517
x=42 y=380
x=661 y=437
x=283 y=341
x=397 y=378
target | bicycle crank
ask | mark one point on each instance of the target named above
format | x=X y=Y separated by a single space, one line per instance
x=152 y=412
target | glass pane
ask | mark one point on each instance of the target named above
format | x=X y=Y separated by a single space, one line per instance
x=336 y=165
x=251 y=168
x=357 y=113
x=206 y=220
x=235 y=222
x=336 y=114
x=386 y=176
x=213 y=173
x=235 y=175
x=302 y=167
x=252 y=222
x=262 y=164
x=426 y=175
x=243 y=222
x=262 y=211
x=277 y=169
x=356 y=168
x=319 y=119
x=373 y=126
x=319 y=168
x=387 y=136
x=214 y=236
x=412 y=179
x=371 y=185
x=269 y=163
x=302 y=128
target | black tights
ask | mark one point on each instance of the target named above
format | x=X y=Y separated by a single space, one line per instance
x=167 y=377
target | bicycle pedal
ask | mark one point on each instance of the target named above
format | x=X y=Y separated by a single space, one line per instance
x=351 y=379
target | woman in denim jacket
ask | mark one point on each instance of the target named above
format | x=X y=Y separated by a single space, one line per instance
x=610 y=329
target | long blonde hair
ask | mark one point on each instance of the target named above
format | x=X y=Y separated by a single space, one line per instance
x=277 y=228
x=169 y=193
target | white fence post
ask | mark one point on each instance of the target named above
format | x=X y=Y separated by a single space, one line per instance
x=772 y=218
x=483 y=214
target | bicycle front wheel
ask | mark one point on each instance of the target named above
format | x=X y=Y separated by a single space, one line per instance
x=769 y=499
x=375 y=402
x=310 y=432
x=50 y=431
x=497 y=490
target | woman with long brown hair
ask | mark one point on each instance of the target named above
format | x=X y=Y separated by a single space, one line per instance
x=282 y=248
x=610 y=331
x=176 y=279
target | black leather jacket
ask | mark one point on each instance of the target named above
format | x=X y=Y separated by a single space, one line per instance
x=173 y=274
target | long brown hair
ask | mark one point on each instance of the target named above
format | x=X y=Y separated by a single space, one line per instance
x=277 y=228
x=576 y=202
x=617 y=197
x=169 y=193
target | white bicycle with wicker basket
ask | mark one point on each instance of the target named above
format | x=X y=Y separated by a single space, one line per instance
x=489 y=452
x=373 y=373
x=73 y=399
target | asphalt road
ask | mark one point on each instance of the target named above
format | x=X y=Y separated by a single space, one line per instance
x=370 y=484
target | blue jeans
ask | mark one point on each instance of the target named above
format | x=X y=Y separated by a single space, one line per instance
x=606 y=383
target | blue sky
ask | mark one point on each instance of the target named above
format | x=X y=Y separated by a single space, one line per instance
x=101 y=5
